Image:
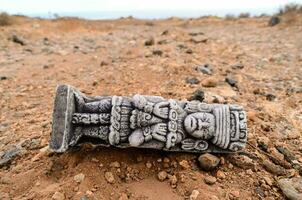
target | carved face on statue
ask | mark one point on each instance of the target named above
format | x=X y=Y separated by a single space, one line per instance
x=200 y=125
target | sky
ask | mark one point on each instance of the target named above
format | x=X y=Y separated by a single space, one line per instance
x=139 y=8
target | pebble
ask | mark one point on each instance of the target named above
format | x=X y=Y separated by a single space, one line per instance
x=157 y=52
x=109 y=177
x=199 y=39
x=238 y=66
x=12 y=152
x=232 y=82
x=208 y=161
x=149 y=42
x=18 y=40
x=205 y=69
x=270 y=97
x=184 y=164
x=242 y=161
x=197 y=95
x=263 y=142
x=192 y=80
x=115 y=164
x=210 y=180
x=273 y=21
x=194 y=194
x=58 y=196
x=162 y=175
x=148 y=165
x=209 y=82
x=123 y=196
x=220 y=174
x=274 y=169
x=79 y=178
x=173 y=181
x=235 y=194
x=291 y=188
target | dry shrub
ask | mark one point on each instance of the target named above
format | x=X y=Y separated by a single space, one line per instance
x=230 y=17
x=291 y=13
x=290 y=9
x=244 y=15
x=5 y=19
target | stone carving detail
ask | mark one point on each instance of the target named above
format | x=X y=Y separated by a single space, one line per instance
x=146 y=122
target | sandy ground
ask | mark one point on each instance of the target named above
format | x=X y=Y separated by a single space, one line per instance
x=111 y=58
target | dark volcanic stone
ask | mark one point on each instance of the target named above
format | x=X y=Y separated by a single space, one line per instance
x=3 y=78
x=157 y=52
x=232 y=82
x=205 y=69
x=270 y=97
x=192 y=80
x=274 y=21
x=149 y=42
x=197 y=95
x=18 y=40
x=10 y=154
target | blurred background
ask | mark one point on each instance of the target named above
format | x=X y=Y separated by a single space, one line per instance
x=105 y=9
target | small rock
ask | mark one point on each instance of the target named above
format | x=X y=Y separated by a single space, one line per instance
x=209 y=82
x=194 y=194
x=232 y=82
x=123 y=196
x=189 y=51
x=235 y=194
x=5 y=180
x=139 y=158
x=208 y=161
x=291 y=188
x=149 y=42
x=220 y=174
x=165 y=32
x=166 y=160
x=263 y=142
x=109 y=177
x=162 y=175
x=205 y=69
x=148 y=165
x=3 y=78
x=115 y=164
x=103 y=63
x=199 y=39
x=18 y=40
x=184 y=164
x=274 y=169
x=197 y=95
x=192 y=80
x=58 y=196
x=157 y=52
x=249 y=172
x=196 y=32
x=79 y=178
x=13 y=152
x=242 y=161
x=238 y=66
x=273 y=21
x=210 y=180
x=173 y=181
x=268 y=180
x=270 y=97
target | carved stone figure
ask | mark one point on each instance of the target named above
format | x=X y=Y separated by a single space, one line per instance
x=145 y=122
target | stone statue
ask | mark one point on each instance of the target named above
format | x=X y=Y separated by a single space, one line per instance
x=145 y=122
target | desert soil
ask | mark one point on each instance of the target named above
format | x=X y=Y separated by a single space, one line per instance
x=159 y=57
